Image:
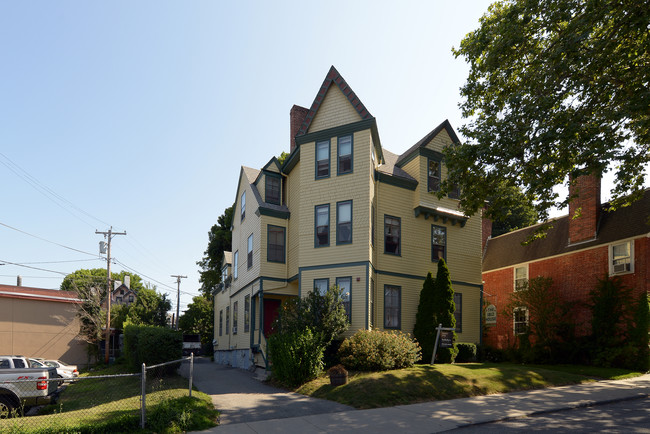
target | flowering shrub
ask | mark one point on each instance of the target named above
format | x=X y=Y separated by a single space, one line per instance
x=375 y=350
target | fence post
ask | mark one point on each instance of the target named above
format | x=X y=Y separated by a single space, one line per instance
x=191 y=371
x=143 y=401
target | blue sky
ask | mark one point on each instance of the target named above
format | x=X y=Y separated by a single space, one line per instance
x=139 y=114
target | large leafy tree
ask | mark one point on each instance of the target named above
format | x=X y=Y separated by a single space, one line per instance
x=199 y=318
x=556 y=88
x=219 y=241
x=519 y=214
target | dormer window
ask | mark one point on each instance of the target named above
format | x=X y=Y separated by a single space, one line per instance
x=433 y=181
x=272 y=189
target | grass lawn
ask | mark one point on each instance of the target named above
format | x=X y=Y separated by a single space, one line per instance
x=438 y=382
x=110 y=405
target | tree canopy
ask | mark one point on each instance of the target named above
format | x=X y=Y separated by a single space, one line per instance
x=556 y=89
x=519 y=214
x=199 y=318
x=219 y=241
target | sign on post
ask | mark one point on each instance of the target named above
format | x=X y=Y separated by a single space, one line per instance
x=445 y=341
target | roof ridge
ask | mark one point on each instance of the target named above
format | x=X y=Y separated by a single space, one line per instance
x=333 y=76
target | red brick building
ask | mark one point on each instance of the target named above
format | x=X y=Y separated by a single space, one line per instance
x=575 y=254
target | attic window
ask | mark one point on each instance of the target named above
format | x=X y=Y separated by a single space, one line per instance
x=272 y=189
x=433 y=181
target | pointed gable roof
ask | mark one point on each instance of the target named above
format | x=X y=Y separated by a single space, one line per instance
x=426 y=139
x=333 y=77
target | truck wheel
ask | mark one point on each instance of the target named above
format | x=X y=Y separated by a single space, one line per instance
x=7 y=407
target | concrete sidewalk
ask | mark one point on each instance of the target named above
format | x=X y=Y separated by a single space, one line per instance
x=440 y=416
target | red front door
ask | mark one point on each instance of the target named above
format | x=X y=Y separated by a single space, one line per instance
x=271 y=310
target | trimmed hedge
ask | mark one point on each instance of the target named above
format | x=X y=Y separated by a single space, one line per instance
x=466 y=352
x=151 y=345
x=375 y=350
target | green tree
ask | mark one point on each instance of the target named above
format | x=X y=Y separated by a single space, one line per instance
x=549 y=325
x=150 y=308
x=199 y=318
x=519 y=214
x=639 y=334
x=556 y=88
x=219 y=241
x=443 y=309
x=283 y=157
x=424 y=330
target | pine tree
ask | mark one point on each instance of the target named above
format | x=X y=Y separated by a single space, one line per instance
x=444 y=308
x=425 y=327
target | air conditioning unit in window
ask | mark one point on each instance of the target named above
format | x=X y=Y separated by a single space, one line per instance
x=621 y=268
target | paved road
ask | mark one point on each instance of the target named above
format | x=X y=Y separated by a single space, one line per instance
x=241 y=398
x=631 y=416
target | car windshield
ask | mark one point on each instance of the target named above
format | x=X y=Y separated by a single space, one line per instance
x=51 y=364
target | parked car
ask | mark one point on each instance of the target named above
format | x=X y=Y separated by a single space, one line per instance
x=40 y=363
x=65 y=371
x=17 y=392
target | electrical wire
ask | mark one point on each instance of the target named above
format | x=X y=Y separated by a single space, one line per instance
x=34 y=268
x=58 y=262
x=48 y=241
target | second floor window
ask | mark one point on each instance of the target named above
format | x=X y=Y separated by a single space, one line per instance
x=433 y=179
x=521 y=278
x=438 y=242
x=392 y=235
x=234 y=317
x=272 y=189
x=235 y=265
x=322 y=226
x=243 y=205
x=621 y=258
x=276 y=243
x=250 y=251
x=345 y=155
x=344 y=222
x=323 y=159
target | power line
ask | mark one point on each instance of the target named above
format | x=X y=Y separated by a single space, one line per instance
x=48 y=241
x=58 y=262
x=33 y=268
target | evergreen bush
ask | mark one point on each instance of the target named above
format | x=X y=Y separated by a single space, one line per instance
x=466 y=352
x=425 y=327
x=443 y=310
x=151 y=345
x=375 y=350
x=639 y=338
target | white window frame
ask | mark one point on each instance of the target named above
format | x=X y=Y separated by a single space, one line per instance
x=235 y=268
x=612 y=268
x=514 y=319
x=514 y=276
x=242 y=210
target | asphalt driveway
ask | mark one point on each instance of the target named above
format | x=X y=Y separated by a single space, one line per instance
x=241 y=398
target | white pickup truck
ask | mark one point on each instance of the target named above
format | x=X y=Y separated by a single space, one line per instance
x=22 y=387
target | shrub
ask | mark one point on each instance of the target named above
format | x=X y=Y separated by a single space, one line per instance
x=639 y=335
x=443 y=310
x=151 y=345
x=337 y=370
x=425 y=327
x=374 y=350
x=297 y=357
x=466 y=352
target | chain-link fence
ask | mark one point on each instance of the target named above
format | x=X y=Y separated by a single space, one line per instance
x=103 y=403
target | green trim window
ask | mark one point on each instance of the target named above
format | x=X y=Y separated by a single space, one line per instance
x=276 y=241
x=247 y=313
x=454 y=193
x=392 y=235
x=344 y=222
x=234 y=317
x=227 y=320
x=438 y=243
x=344 y=155
x=345 y=284
x=249 y=252
x=221 y=322
x=321 y=286
x=235 y=266
x=392 y=307
x=272 y=189
x=323 y=159
x=458 y=313
x=322 y=226
x=433 y=176
x=243 y=206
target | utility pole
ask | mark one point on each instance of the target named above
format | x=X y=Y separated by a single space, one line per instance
x=108 y=235
x=178 y=296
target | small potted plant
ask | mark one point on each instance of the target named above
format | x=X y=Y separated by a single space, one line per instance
x=338 y=375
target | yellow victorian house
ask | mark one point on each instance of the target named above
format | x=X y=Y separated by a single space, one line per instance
x=342 y=210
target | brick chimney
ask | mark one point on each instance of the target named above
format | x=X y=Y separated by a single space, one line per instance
x=297 y=117
x=587 y=204
x=486 y=229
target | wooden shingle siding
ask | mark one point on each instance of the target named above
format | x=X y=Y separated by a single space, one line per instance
x=335 y=110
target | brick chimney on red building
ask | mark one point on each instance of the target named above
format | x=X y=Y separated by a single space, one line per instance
x=586 y=204
x=297 y=117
